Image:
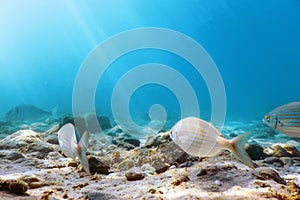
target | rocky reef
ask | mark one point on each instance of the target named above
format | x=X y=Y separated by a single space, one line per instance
x=126 y=167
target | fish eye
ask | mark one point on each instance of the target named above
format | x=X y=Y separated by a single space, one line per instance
x=267 y=117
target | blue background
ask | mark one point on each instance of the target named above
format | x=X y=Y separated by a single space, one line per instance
x=255 y=45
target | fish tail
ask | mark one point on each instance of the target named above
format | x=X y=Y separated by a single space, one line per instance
x=84 y=142
x=237 y=144
x=84 y=161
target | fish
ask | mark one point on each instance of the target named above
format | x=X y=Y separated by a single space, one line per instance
x=25 y=112
x=200 y=138
x=72 y=146
x=285 y=119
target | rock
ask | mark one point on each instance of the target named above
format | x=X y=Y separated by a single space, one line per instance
x=148 y=169
x=202 y=172
x=274 y=161
x=126 y=165
x=97 y=166
x=134 y=142
x=131 y=176
x=282 y=150
x=52 y=139
x=158 y=140
x=20 y=139
x=100 y=196
x=160 y=167
x=33 y=181
x=180 y=179
x=286 y=161
x=10 y=155
x=255 y=151
x=268 y=173
x=14 y=186
x=42 y=148
x=186 y=164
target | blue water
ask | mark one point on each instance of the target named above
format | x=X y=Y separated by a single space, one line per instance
x=255 y=45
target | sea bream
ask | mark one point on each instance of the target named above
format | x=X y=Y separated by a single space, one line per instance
x=200 y=138
x=29 y=112
x=285 y=119
x=73 y=146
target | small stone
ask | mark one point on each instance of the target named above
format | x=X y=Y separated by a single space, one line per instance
x=202 y=172
x=151 y=190
x=147 y=168
x=14 y=186
x=161 y=168
x=52 y=139
x=286 y=161
x=186 y=164
x=100 y=196
x=268 y=173
x=131 y=176
x=255 y=151
x=273 y=160
x=126 y=164
x=158 y=140
x=10 y=155
x=97 y=166
x=134 y=142
x=180 y=179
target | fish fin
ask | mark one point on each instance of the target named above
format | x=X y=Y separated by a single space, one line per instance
x=54 y=112
x=84 y=141
x=67 y=140
x=238 y=148
x=84 y=161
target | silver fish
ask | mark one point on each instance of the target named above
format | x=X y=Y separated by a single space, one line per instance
x=68 y=141
x=285 y=119
x=199 y=138
x=29 y=112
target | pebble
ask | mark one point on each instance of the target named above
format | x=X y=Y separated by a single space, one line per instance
x=274 y=161
x=268 y=173
x=131 y=176
x=180 y=179
x=255 y=151
x=10 y=155
x=97 y=166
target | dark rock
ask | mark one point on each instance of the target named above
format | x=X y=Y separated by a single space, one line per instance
x=52 y=139
x=286 y=161
x=132 y=141
x=268 y=173
x=255 y=151
x=14 y=186
x=182 y=158
x=10 y=155
x=161 y=167
x=282 y=150
x=180 y=179
x=131 y=176
x=97 y=166
x=186 y=164
x=202 y=172
x=274 y=160
x=158 y=140
x=100 y=196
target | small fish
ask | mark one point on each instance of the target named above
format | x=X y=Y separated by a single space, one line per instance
x=68 y=141
x=285 y=119
x=29 y=112
x=199 y=138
